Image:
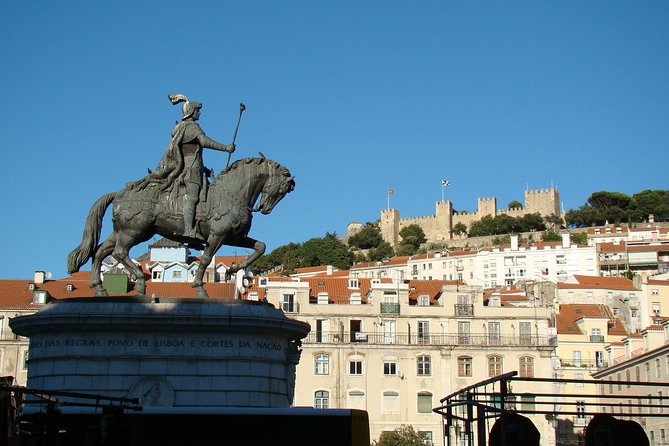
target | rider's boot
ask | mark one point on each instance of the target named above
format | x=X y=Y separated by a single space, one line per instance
x=190 y=230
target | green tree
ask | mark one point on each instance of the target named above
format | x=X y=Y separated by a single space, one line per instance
x=383 y=251
x=368 y=237
x=580 y=238
x=554 y=220
x=605 y=199
x=533 y=222
x=484 y=226
x=459 y=229
x=327 y=250
x=550 y=236
x=515 y=204
x=413 y=236
x=648 y=202
x=402 y=436
x=287 y=256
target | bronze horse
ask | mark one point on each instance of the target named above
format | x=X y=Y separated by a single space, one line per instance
x=224 y=219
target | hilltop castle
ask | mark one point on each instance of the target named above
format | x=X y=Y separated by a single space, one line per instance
x=438 y=227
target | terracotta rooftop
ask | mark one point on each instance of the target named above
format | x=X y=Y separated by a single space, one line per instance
x=570 y=313
x=597 y=282
x=431 y=288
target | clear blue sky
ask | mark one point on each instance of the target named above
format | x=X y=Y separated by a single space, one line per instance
x=353 y=97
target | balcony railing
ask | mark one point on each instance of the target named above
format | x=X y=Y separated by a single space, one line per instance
x=390 y=308
x=596 y=338
x=464 y=310
x=583 y=363
x=473 y=340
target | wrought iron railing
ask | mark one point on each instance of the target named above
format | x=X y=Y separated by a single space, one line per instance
x=474 y=340
x=390 y=308
x=464 y=310
x=584 y=363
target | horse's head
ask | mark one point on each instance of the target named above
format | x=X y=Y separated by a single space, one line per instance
x=276 y=187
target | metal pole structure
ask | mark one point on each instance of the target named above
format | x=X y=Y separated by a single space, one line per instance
x=242 y=107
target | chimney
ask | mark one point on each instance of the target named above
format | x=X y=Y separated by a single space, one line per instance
x=39 y=277
x=566 y=240
x=514 y=243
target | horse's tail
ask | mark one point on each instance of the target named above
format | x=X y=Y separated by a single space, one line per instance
x=91 y=237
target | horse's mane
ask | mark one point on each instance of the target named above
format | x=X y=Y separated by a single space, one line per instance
x=257 y=161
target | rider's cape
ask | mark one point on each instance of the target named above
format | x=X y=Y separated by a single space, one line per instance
x=171 y=165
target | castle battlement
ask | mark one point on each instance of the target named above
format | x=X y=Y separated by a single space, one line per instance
x=438 y=227
x=539 y=191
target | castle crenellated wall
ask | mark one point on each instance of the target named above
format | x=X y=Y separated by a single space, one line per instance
x=438 y=227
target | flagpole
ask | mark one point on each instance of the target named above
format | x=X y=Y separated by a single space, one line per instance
x=442 y=192
x=388 y=195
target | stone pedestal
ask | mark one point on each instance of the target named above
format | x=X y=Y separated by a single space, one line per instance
x=168 y=352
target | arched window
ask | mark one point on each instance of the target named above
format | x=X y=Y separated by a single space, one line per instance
x=424 y=363
x=494 y=365
x=526 y=366
x=322 y=364
x=465 y=366
x=322 y=399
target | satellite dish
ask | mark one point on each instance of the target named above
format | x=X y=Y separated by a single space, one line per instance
x=48 y=275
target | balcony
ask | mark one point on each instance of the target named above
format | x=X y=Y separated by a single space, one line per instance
x=464 y=310
x=390 y=308
x=596 y=338
x=583 y=364
x=451 y=340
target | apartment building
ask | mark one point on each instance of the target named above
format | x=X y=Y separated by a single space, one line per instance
x=638 y=381
x=395 y=347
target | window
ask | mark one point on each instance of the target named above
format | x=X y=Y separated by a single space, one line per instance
x=646 y=367
x=463 y=333
x=322 y=364
x=580 y=410
x=176 y=274
x=322 y=399
x=423 y=300
x=423 y=331
x=355 y=299
x=25 y=360
x=658 y=369
x=424 y=364
x=493 y=334
x=465 y=366
x=391 y=402
x=526 y=365
x=356 y=399
x=389 y=368
x=287 y=303
x=525 y=330
x=578 y=376
x=494 y=365
x=577 y=358
x=322 y=327
x=424 y=402
x=355 y=367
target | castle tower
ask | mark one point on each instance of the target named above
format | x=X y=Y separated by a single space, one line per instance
x=486 y=206
x=390 y=226
x=444 y=220
x=543 y=201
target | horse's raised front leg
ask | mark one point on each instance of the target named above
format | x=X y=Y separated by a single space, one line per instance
x=214 y=243
x=247 y=242
x=102 y=252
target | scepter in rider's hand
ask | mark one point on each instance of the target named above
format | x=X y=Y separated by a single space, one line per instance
x=242 y=107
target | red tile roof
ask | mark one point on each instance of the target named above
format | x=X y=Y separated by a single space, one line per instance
x=431 y=288
x=570 y=313
x=598 y=282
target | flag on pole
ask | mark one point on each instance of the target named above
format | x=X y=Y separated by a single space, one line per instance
x=391 y=191
x=445 y=183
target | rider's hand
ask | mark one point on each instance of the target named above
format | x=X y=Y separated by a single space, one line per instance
x=231 y=148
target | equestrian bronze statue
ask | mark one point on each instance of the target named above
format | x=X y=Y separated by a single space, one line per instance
x=177 y=202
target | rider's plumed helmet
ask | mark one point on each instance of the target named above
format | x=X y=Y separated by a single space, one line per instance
x=188 y=108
